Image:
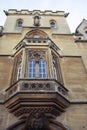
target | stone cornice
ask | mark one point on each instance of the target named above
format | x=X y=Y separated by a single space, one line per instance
x=71 y=102
x=78 y=102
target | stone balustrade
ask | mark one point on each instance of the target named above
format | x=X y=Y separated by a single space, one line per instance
x=36 y=85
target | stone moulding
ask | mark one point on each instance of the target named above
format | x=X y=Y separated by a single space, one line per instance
x=27 y=96
x=27 y=12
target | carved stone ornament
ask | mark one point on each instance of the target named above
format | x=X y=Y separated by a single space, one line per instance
x=37 y=121
x=36 y=21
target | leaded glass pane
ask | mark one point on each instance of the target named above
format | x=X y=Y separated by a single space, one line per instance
x=42 y=69
x=31 y=69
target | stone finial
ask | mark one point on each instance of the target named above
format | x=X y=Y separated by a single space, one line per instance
x=6 y=12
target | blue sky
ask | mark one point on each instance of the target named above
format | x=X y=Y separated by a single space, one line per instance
x=76 y=8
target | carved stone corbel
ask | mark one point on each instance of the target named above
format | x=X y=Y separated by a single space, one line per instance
x=36 y=121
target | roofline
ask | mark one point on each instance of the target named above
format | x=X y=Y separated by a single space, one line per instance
x=79 y=25
x=27 y=12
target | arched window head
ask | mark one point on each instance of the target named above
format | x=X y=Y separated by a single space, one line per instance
x=36 y=33
x=19 y=23
x=36 y=36
x=52 y=24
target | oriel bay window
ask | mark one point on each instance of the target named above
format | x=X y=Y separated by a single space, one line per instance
x=36 y=64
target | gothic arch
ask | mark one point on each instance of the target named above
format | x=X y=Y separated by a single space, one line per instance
x=37 y=32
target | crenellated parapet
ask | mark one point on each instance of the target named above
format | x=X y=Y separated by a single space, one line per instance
x=27 y=12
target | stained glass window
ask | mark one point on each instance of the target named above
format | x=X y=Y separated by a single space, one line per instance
x=42 y=69
x=37 y=69
x=31 y=69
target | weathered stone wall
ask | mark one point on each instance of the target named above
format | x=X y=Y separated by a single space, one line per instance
x=75 y=117
x=6 y=65
x=74 y=75
x=6 y=118
x=73 y=63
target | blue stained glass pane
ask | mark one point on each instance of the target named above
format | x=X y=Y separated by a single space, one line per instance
x=39 y=65
x=33 y=75
x=29 y=75
x=31 y=69
x=44 y=75
x=42 y=69
x=37 y=55
x=40 y=75
x=30 y=65
x=34 y=70
x=43 y=65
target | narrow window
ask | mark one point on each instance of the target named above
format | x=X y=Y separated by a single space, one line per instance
x=19 y=24
x=37 y=69
x=42 y=69
x=31 y=69
x=36 y=21
x=19 y=71
x=54 y=70
x=52 y=25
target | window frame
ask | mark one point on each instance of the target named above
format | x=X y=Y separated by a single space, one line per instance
x=19 y=24
x=52 y=24
x=19 y=68
x=42 y=69
x=31 y=69
x=40 y=63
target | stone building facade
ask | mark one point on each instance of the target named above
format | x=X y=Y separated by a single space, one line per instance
x=43 y=72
